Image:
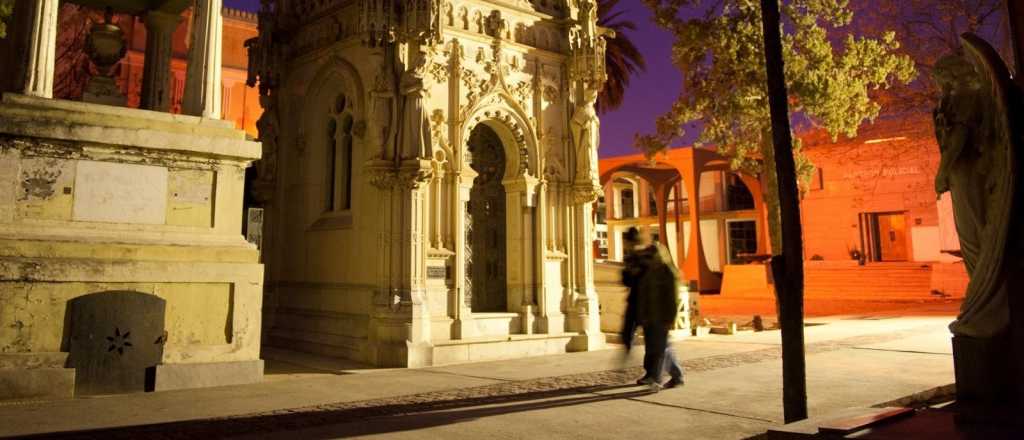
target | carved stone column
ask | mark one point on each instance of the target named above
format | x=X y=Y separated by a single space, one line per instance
x=459 y=307
x=551 y=320
x=202 y=82
x=156 y=88
x=523 y=248
x=42 y=49
x=585 y=317
x=411 y=190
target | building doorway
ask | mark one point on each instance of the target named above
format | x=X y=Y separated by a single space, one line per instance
x=485 y=224
x=884 y=235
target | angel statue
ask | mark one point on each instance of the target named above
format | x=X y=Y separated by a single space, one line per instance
x=586 y=138
x=981 y=150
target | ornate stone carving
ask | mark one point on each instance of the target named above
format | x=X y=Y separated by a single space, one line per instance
x=381 y=173
x=550 y=93
x=524 y=93
x=977 y=128
x=587 y=47
x=495 y=26
x=464 y=18
x=414 y=173
x=478 y=21
x=382 y=23
x=449 y=16
x=438 y=72
x=268 y=126
x=473 y=84
x=438 y=127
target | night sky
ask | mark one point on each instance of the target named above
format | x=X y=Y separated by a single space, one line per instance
x=649 y=94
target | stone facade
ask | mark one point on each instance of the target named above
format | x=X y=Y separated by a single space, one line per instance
x=122 y=264
x=397 y=135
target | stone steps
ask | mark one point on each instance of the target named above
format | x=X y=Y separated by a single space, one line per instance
x=841 y=280
x=457 y=351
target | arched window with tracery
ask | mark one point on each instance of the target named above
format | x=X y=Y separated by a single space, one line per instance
x=338 y=194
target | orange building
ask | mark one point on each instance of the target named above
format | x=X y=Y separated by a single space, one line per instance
x=871 y=220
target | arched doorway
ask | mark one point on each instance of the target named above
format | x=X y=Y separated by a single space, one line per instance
x=486 y=260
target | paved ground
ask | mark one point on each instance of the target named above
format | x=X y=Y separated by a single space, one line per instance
x=733 y=390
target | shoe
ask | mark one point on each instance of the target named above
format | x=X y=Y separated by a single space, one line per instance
x=646 y=380
x=674 y=382
x=654 y=387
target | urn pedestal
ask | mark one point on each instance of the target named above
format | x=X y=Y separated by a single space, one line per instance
x=105 y=47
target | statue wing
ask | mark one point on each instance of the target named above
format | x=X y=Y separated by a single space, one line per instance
x=996 y=138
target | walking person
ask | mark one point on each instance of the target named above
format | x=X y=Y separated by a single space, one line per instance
x=632 y=271
x=657 y=307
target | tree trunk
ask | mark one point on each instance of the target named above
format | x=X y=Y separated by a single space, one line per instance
x=787 y=266
x=771 y=194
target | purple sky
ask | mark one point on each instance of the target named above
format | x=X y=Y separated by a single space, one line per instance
x=650 y=93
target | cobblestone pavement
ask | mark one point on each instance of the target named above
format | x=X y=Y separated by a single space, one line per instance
x=500 y=393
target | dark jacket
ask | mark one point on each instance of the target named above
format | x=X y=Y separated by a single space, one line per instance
x=657 y=292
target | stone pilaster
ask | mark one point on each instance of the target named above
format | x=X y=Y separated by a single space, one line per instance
x=413 y=176
x=156 y=89
x=460 y=308
x=42 y=49
x=523 y=248
x=202 y=82
x=585 y=317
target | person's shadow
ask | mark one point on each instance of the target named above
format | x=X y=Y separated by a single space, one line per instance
x=364 y=419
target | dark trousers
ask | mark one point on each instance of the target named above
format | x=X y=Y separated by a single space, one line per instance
x=659 y=355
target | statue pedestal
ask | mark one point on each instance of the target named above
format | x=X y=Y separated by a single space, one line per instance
x=103 y=90
x=984 y=369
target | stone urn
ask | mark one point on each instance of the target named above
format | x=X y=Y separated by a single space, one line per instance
x=105 y=47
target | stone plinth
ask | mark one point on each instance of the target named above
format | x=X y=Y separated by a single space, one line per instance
x=98 y=199
x=983 y=369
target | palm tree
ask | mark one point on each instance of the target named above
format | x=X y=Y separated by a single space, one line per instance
x=622 y=58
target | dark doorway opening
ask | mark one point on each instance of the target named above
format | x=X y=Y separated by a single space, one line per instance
x=485 y=224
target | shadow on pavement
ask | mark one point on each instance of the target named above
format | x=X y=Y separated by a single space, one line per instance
x=375 y=416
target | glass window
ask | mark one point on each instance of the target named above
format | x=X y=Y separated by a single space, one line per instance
x=338 y=182
x=627 y=204
x=742 y=239
x=738 y=196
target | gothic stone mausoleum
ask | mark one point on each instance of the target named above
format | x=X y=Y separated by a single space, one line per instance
x=429 y=174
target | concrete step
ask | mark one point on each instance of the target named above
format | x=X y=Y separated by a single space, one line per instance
x=457 y=351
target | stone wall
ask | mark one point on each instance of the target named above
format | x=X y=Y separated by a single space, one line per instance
x=100 y=199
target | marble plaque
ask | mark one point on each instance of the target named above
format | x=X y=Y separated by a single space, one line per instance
x=120 y=193
x=437 y=272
